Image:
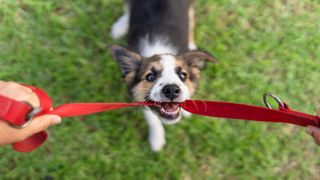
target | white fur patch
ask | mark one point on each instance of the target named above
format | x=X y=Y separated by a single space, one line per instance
x=186 y=114
x=156 y=131
x=121 y=27
x=169 y=76
x=159 y=45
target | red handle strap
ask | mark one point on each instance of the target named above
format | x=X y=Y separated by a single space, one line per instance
x=249 y=112
x=38 y=139
x=15 y=112
x=11 y=111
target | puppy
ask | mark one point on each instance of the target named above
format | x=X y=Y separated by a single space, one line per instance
x=161 y=63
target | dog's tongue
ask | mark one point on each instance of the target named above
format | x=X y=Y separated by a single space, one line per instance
x=170 y=106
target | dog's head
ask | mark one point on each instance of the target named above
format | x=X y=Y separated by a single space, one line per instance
x=166 y=79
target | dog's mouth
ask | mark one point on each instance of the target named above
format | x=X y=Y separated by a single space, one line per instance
x=167 y=110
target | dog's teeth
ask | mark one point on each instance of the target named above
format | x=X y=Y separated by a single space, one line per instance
x=169 y=112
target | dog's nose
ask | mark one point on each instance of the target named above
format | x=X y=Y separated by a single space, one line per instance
x=171 y=91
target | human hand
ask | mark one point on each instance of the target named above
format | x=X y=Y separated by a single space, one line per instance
x=8 y=134
x=314 y=131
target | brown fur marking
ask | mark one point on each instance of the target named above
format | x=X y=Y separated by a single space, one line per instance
x=143 y=87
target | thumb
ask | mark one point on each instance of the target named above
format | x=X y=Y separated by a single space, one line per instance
x=41 y=123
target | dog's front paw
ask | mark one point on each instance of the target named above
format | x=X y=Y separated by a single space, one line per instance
x=156 y=143
x=186 y=114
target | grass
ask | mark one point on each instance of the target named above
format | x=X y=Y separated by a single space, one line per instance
x=62 y=47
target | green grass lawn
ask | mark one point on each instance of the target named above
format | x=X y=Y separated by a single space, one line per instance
x=62 y=47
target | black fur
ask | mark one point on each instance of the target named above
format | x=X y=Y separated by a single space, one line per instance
x=168 y=18
x=127 y=60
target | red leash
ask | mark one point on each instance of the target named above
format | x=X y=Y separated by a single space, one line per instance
x=20 y=114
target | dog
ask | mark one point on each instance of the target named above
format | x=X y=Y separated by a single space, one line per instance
x=161 y=63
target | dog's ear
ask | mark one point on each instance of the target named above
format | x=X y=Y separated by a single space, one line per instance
x=195 y=58
x=126 y=59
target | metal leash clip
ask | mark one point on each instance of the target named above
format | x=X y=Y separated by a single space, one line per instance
x=276 y=98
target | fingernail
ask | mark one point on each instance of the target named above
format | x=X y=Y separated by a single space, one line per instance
x=56 y=120
x=309 y=130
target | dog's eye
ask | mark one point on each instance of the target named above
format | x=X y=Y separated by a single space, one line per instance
x=150 y=77
x=182 y=76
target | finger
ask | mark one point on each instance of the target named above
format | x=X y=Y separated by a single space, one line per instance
x=2 y=84
x=40 y=123
x=314 y=132
x=33 y=99
x=14 y=85
x=25 y=96
x=19 y=93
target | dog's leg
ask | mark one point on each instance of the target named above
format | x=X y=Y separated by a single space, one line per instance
x=192 y=45
x=121 y=27
x=156 y=131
